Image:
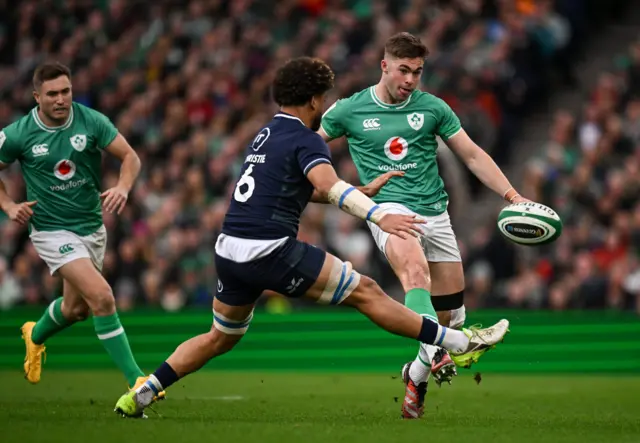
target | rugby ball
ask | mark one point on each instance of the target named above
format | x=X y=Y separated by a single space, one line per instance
x=529 y=223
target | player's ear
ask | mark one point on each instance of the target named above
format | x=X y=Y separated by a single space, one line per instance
x=316 y=102
x=36 y=96
x=384 y=66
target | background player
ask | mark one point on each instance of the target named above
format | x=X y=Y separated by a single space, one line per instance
x=393 y=126
x=59 y=145
x=283 y=165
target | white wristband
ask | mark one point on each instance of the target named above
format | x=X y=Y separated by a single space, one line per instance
x=354 y=202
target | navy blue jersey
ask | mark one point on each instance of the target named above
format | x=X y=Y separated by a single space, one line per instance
x=273 y=189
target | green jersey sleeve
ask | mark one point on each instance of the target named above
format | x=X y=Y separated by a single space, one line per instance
x=105 y=131
x=333 y=119
x=9 y=146
x=449 y=123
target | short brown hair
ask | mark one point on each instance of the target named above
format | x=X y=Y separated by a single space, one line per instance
x=300 y=79
x=49 y=71
x=405 y=45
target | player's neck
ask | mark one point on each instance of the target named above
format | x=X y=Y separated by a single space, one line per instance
x=50 y=122
x=383 y=94
x=298 y=112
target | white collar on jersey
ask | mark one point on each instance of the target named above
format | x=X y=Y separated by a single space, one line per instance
x=378 y=101
x=291 y=117
x=41 y=125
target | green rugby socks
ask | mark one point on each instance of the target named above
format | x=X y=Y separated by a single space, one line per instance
x=114 y=339
x=51 y=322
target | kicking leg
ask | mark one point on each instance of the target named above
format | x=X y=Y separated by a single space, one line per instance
x=97 y=294
x=339 y=283
x=230 y=323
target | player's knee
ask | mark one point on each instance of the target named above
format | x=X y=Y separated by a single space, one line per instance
x=101 y=300
x=76 y=312
x=220 y=343
x=415 y=275
x=371 y=287
x=80 y=312
x=368 y=291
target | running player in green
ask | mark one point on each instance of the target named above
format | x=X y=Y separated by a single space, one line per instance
x=393 y=126
x=59 y=145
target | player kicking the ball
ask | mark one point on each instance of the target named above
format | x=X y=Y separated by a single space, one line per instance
x=285 y=167
x=393 y=126
x=59 y=145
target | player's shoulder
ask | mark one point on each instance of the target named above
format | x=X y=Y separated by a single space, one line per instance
x=285 y=128
x=81 y=110
x=308 y=136
x=426 y=98
x=19 y=128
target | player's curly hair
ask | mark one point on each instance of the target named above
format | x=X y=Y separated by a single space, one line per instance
x=405 y=45
x=300 y=79
x=49 y=71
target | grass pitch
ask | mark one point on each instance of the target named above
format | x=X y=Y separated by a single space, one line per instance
x=70 y=407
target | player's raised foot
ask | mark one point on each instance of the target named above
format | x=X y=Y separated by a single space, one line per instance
x=34 y=354
x=443 y=368
x=480 y=341
x=142 y=380
x=129 y=407
x=413 y=404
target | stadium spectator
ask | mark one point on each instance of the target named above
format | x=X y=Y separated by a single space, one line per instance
x=187 y=84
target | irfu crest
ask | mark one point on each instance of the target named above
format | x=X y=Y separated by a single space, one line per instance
x=415 y=120
x=79 y=142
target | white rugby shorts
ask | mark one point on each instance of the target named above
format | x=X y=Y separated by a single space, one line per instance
x=438 y=241
x=57 y=248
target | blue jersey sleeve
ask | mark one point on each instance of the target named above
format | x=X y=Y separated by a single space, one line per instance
x=311 y=152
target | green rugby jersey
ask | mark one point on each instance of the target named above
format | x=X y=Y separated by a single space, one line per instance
x=384 y=137
x=61 y=167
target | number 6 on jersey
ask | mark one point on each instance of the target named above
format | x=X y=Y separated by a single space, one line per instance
x=246 y=179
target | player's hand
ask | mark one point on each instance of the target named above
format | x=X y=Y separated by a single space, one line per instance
x=115 y=199
x=404 y=226
x=21 y=212
x=520 y=199
x=375 y=185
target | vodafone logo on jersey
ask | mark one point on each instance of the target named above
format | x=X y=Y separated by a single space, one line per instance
x=64 y=169
x=396 y=148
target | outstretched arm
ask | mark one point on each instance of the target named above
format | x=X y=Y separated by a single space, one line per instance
x=115 y=198
x=483 y=166
x=350 y=200
x=370 y=190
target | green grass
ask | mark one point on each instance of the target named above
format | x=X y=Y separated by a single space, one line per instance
x=278 y=407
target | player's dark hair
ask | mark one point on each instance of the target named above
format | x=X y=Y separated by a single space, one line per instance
x=405 y=45
x=49 y=71
x=300 y=79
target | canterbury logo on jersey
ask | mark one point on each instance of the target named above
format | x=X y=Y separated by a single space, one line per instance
x=40 y=150
x=371 y=124
x=65 y=249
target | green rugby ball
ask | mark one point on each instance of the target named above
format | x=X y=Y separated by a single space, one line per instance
x=529 y=224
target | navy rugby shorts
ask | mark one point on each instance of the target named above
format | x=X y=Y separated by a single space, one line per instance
x=290 y=270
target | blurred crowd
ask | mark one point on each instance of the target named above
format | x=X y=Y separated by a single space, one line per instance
x=589 y=171
x=187 y=83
